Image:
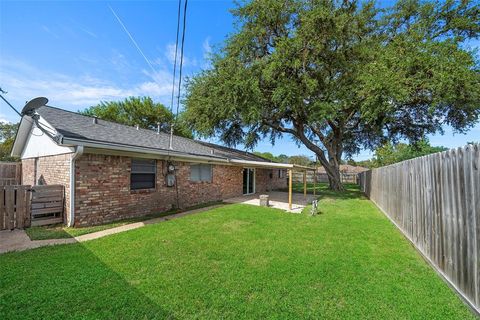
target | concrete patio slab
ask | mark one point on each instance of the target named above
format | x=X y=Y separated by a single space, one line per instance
x=277 y=200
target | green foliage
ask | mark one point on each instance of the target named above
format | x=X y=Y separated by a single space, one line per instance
x=339 y=76
x=141 y=111
x=282 y=158
x=235 y=262
x=300 y=160
x=266 y=155
x=365 y=163
x=391 y=153
x=7 y=138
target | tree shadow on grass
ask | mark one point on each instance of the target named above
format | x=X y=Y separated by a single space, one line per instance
x=72 y=283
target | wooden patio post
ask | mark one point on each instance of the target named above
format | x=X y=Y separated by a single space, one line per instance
x=290 y=178
x=305 y=184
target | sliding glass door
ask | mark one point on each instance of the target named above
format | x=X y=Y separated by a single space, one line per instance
x=248 y=181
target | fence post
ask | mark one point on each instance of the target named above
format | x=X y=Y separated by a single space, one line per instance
x=28 y=205
x=2 y=208
x=19 y=207
x=9 y=207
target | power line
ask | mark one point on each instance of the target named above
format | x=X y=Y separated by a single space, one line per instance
x=9 y=104
x=181 y=58
x=175 y=59
x=180 y=67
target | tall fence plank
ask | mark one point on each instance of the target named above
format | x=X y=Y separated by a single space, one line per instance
x=435 y=201
x=14 y=207
x=2 y=209
x=345 y=177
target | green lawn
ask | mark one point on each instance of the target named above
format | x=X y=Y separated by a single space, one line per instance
x=237 y=261
x=60 y=231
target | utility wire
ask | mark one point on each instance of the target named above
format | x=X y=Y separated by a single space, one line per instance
x=9 y=104
x=181 y=58
x=175 y=59
x=35 y=121
x=174 y=122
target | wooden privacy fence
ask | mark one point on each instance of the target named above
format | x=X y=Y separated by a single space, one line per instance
x=21 y=206
x=435 y=201
x=14 y=207
x=10 y=173
x=323 y=177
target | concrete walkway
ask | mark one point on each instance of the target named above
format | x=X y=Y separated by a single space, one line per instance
x=18 y=240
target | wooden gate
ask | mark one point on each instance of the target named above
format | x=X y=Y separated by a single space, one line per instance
x=14 y=207
x=23 y=206
x=47 y=204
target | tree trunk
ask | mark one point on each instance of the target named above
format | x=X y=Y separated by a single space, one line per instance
x=335 y=183
x=333 y=172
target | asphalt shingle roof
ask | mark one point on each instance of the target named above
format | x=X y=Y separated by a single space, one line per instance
x=78 y=126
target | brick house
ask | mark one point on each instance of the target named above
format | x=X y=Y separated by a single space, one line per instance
x=112 y=171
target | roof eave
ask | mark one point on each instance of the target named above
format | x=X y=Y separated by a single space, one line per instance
x=271 y=165
x=66 y=141
x=21 y=136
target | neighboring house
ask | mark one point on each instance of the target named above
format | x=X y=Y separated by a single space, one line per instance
x=120 y=171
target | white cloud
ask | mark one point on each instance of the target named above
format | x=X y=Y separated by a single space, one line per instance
x=3 y=119
x=170 y=55
x=24 y=82
x=207 y=48
x=207 y=52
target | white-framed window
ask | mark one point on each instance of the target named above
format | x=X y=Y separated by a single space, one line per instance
x=143 y=174
x=281 y=173
x=201 y=172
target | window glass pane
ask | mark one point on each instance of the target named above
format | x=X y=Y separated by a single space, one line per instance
x=143 y=166
x=251 y=180
x=200 y=172
x=142 y=181
x=143 y=174
x=245 y=181
x=206 y=172
x=195 y=172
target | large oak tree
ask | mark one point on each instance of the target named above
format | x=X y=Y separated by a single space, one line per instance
x=339 y=76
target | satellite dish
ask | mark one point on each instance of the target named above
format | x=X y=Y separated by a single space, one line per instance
x=34 y=104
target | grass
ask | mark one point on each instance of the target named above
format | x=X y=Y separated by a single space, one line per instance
x=60 y=231
x=236 y=261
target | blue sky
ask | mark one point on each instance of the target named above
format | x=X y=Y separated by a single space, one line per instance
x=77 y=54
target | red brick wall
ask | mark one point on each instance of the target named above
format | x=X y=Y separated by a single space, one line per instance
x=49 y=170
x=103 y=188
x=28 y=171
x=268 y=180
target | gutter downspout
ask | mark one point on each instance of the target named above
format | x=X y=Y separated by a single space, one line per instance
x=76 y=155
